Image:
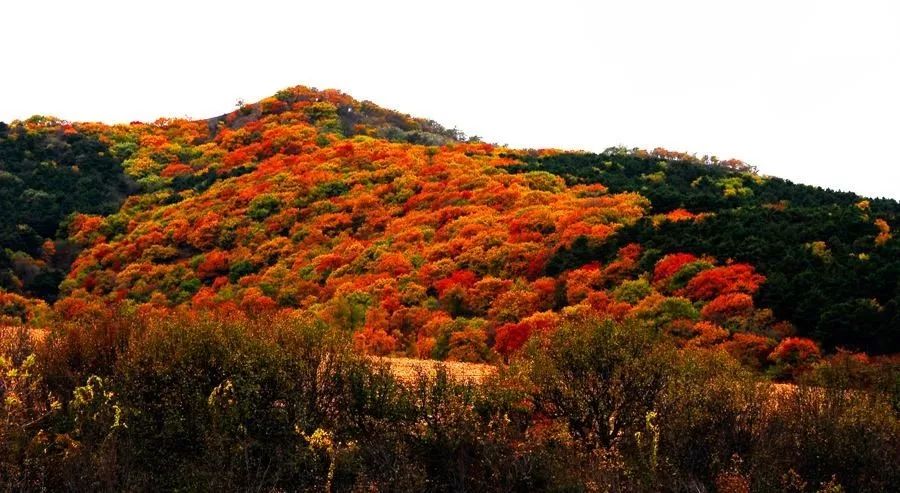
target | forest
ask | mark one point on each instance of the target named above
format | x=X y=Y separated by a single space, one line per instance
x=214 y=305
x=830 y=269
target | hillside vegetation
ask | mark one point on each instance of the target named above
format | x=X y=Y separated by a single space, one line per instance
x=217 y=289
x=830 y=267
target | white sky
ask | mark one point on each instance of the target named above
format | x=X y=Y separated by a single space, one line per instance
x=805 y=89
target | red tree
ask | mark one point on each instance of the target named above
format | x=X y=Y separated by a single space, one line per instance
x=735 y=278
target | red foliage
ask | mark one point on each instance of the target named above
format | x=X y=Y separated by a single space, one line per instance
x=376 y=341
x=749 y=349
x=511 y=337
x=461 y=278
x=670 y=264
x=256 y=302
x=796 y=351
x=624 y=264
x=735 y=278
x=176 y=169
x=214 y=264
x=204 y=298
x=205 y=231
x=727 y=306
x=395 y=264
x=604 y=304
x=680 y=215
x=72 y=308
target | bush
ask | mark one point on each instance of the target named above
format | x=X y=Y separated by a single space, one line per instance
x=600 y=377
x=124 y=399
x=707 y=415
x=820 y=434
x=263 y=206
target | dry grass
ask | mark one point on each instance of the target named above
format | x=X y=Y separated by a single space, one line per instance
x=407 y=370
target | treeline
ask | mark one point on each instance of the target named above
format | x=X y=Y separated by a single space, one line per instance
x=141 y=402
x=830 y=268
x=673 y=182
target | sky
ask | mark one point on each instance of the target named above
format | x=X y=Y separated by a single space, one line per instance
x=807 y=90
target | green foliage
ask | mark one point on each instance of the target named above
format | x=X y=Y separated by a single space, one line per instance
x=686 y=273
x=599 y=376
x=632 y=291
x=669 y=310
x=240 y=269
x=777 y=226
x=46 y=174
x=263 y=206
x=543 y=181
x=202 y=181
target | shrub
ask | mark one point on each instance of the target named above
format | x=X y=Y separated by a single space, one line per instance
x=120 y=398
x=599 y=377
x=263 y=206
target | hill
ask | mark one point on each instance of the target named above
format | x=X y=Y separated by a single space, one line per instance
x=49 y=170
x=255 y=302
x=830 y=267
x=421 y=243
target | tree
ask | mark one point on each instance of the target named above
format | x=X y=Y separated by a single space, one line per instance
x=373 y=340
x=214 y=264
x=794 y=356
x=670 y=264
x=512 y=336
x=735 y=278
x=727 y=306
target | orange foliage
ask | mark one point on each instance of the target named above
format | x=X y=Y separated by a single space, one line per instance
x=884 y=232
x=749 y=349
x=680 y=215
x=16 y=309
x=708 y=334
x=433 y=249
x=214 y=264
x=376 y=341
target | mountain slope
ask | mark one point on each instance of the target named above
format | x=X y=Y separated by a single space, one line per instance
x=832 y=267
x=417 y=242
x=48 y=170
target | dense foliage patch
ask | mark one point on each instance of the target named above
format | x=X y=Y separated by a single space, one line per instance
x=48 y=170
x=831 y=267
x=417 y=243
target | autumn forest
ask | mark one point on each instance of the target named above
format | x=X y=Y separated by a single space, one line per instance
x=213 y=305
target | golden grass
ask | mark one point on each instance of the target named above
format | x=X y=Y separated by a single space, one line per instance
x=407 y=370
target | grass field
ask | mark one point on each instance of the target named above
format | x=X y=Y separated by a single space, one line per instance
x=407 y=370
